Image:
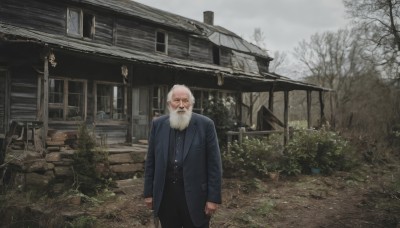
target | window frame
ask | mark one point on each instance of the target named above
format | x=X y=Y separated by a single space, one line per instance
x=216 y=55
x=164 y=43
x=82 y=30
x=124 y=116
x=64 y=106
x=159 y=100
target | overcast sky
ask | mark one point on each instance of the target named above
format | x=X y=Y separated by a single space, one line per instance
x=284 y=23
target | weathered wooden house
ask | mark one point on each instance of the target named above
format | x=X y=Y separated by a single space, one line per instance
x=111 y=63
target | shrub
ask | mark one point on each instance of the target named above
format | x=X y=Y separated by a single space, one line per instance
x=254 y=157
x=87 y=179
x=307 y=149
x=218 y=110
x=321 y=149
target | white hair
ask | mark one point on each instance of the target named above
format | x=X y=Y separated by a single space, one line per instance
x=191 y=97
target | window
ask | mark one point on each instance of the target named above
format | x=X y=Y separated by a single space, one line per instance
x=66 y=99
x=216 y=55
x=80 y=24
x=159 y=100
x=161 y=41
x=110 y=104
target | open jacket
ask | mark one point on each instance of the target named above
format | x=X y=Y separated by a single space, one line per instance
x=202 y=169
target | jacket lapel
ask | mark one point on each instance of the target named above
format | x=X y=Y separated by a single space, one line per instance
x=190 y=133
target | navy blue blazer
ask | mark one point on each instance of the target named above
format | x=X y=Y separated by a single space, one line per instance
x=202 y=169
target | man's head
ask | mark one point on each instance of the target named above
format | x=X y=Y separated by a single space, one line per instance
x=180 y=105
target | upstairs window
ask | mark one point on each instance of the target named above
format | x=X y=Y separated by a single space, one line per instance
x=80 y=24
x=216 y=55
x=161 y=41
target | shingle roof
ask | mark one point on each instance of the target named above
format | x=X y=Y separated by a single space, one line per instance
x=216 y=34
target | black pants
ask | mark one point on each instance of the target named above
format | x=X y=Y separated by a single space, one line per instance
x=174 y=212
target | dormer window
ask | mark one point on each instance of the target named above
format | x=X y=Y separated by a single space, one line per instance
x=161 y=41
x=80 y=24
x=216 y=55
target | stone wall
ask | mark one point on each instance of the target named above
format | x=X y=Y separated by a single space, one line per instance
x=27 y=169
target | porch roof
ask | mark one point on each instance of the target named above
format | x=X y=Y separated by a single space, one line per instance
x=246 y=82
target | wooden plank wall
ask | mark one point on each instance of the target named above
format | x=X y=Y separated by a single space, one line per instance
x=133 y=35
x=23 y=94
x=200 y=50
x=111 y=29
x=34 y=14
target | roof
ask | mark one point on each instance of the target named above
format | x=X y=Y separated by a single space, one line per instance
x=216 y=34
x=252 y=81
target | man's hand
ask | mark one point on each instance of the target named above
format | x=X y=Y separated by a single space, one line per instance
x=210 y=208
x=149 y=202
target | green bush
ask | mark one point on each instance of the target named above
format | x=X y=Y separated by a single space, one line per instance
x=307 y=149
x=217 y=110
x=321 y=149
x=86 y=158
x=254 y=157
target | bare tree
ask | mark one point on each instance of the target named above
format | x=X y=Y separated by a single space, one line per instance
x=259 y=38
x=380 y=20
x=279 y=60
x=335 y=60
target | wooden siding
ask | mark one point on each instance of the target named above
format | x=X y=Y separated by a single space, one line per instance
x=132 y=35
x=104 y=29
x=110 y=29
x=178 y=45
x=113 y=133
x=225 y=57
x=23 y=94
x=34 y=14
x=200 y=50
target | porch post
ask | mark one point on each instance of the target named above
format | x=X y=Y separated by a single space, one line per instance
x=309 y=109
x=322 y=106
x=271 y=99
x=45 y=106
x=130 y=105
x=286 y=118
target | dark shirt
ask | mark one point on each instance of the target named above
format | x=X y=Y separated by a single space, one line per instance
x=175 y=154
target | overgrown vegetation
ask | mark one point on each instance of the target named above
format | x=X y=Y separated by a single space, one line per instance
x=322 y=149
x=307 y=149
x=82 y=222
x=87 y=178
x=218 y=110
x=253 y=157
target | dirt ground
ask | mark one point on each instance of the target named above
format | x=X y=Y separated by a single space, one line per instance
x=365 y=197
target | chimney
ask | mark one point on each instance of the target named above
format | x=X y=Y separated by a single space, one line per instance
x=208 y=17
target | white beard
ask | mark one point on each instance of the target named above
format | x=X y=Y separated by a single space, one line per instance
x=180 y=120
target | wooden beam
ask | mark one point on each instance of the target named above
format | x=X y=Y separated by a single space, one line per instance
x=45 y=113
x=286 y=118
x=65 y=99
x=322 y=106
x=129 y=134
x=309 y=109
x=271 y=99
